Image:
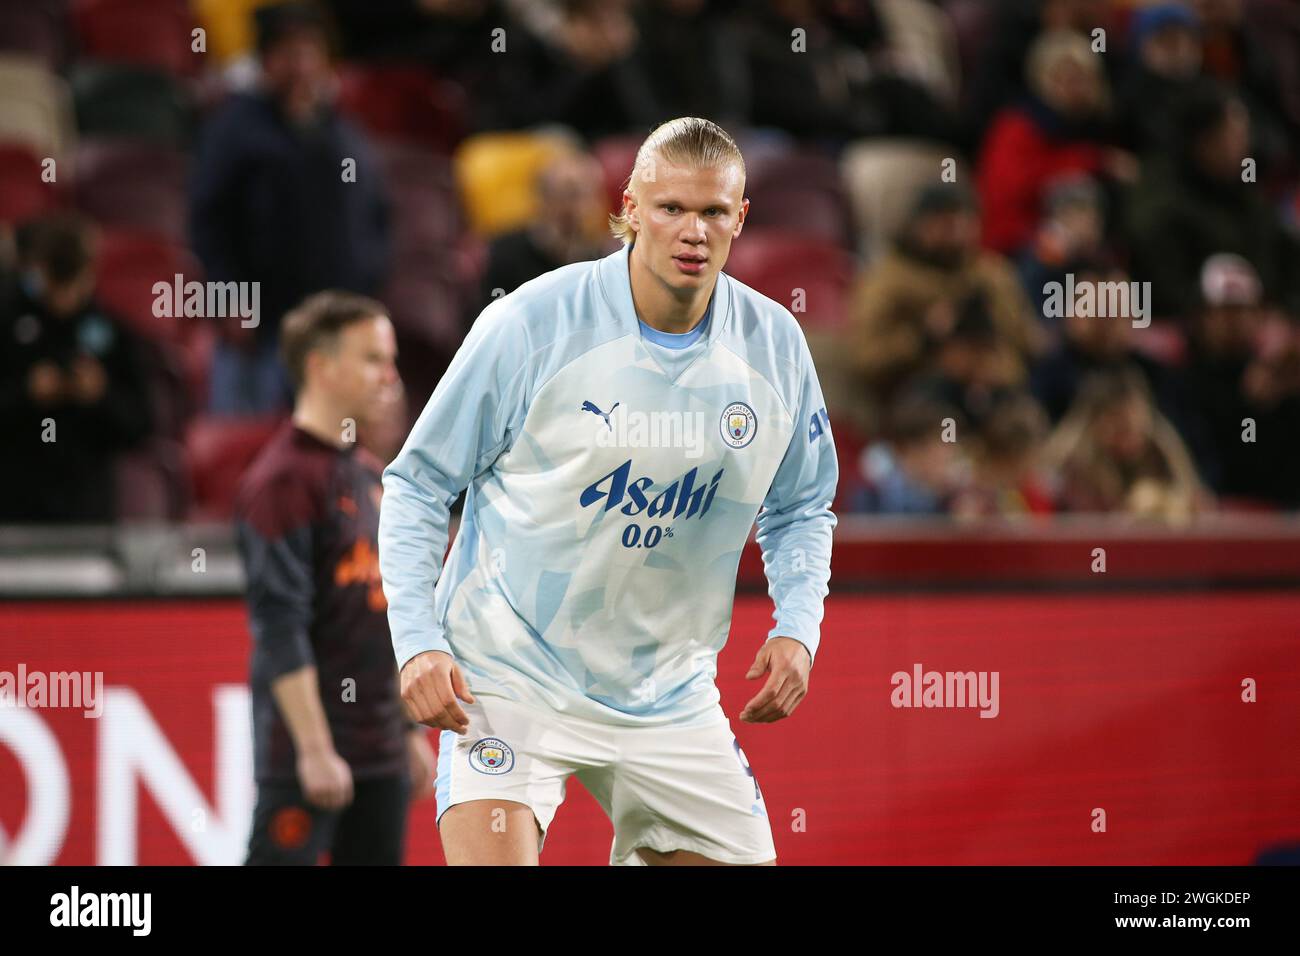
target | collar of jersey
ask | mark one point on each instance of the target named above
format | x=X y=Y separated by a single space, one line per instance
x=616 y=284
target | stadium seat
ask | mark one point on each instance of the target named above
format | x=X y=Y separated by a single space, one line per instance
x=35 y=28
x=150 y=33
x=135 y=186
x=232 y=32
x=218 y=451
x=23 y=195
x=426 y=211
x=777 y=264
x=129 y=264
x=496 y=175
x=151 y=482
x=800 y=193
x=405 y=103
x=850 y=443
x=35 y=108
x=428 y=307
x=883 y=178
x=616 y=154
x=130 y=102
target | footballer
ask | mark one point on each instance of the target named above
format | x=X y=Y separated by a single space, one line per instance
x=575 y=626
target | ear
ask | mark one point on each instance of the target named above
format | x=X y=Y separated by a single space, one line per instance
x=633 y=211
x=740 y=218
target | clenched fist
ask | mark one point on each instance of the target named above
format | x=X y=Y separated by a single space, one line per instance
x=431 y=682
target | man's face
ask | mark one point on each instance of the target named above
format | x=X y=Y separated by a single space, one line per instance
x=1173 y=52
x=1071 y=86
x=685 y=220
x=1221 y=149
x=570 y=196
x=297 y=71
x=949 y=237
x=68 y=297
x=360 y=372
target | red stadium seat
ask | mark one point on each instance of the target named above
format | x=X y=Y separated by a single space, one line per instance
x=131 y=185
x=428 y=307
x=799 y=192
x=426 y=212
x=616 y=154
x=151 y=482
x=217 y=453
x=406 y=103
x=850 y=443
x=22 y=193
x=129 y=265
x=777 y=264
x=145 y=32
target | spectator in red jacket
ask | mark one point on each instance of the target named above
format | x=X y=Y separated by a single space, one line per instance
x=1056 y=130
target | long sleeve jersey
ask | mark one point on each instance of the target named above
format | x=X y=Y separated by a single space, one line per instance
x=610 y=486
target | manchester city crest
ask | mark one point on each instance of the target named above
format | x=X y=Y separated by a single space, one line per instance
x=491 y=756
x=738 y=424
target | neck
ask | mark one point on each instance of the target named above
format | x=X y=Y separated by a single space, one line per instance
x=660 y=307
x=316 y=416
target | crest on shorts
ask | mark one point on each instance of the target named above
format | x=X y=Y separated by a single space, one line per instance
x=739 y=424
x=491 y=755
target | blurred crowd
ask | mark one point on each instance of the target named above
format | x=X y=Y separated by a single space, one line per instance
x=922 y=173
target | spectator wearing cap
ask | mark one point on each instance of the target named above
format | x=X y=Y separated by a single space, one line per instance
x=1162 y=70
x=74 y=391
x=905 y=305
x=1056 y=129
x=1194 y=203
x=274 y=200
x=1243 y=366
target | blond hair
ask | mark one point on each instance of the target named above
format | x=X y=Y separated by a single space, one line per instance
x=687 y=141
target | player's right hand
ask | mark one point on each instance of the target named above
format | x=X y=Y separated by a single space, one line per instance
x=431 y=682
x=325 y=779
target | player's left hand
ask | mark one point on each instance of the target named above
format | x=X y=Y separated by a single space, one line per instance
x=420 y=759
x=787 y=663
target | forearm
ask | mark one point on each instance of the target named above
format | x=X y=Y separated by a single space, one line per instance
x=413 y=531
x=797 y=561
x=297 y=696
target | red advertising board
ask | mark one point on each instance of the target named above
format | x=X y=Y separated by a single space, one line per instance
x=1153 y=728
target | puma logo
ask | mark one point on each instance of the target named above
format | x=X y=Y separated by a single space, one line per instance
x=589 y=407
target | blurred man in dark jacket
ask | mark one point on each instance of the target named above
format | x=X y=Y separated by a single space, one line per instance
x=73 y=387
x=1195 y=204
x=286 y=193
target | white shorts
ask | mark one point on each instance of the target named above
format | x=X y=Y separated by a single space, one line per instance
x=664 y=788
